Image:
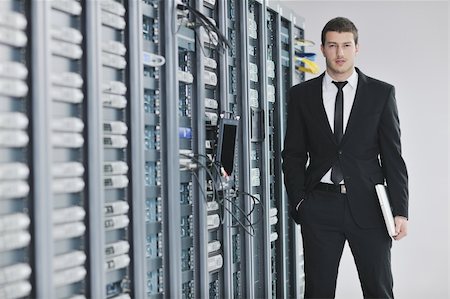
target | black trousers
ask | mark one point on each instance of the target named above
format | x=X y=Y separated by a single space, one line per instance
x=326 y=224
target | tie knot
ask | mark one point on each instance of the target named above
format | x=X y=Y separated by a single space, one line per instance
x=340 y=84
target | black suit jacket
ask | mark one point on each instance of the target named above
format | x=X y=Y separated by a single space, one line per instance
x=369 y=153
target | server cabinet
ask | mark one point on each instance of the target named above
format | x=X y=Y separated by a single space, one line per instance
x=16 y=155
x=256 y=151
x=237 y=224
x=68 y=160
x=140 y=149
x=152 y=64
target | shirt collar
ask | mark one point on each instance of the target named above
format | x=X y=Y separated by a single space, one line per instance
x=352 y=80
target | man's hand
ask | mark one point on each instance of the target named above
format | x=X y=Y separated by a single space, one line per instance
x=401 y=227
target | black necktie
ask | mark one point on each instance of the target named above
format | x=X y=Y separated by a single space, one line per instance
x=336 y=172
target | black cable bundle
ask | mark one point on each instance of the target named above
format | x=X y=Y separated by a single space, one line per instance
x=220 y=199
x=205 y=22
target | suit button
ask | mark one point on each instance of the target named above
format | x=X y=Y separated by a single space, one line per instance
x=340 y=152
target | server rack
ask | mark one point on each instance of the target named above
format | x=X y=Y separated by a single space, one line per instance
x=16 y=125
x=152 y=62
x=119 y=108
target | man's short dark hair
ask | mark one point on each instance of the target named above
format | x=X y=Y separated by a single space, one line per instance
x=340 y=24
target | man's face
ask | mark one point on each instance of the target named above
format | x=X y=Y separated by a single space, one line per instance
x=339 y=51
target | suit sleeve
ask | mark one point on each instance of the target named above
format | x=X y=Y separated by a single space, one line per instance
x=294 y=153
x=393 y=165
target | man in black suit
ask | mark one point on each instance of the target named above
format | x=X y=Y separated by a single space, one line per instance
x=343 y=138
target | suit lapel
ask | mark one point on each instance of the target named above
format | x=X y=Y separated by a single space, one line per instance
x=354 y=112
x=319 y=109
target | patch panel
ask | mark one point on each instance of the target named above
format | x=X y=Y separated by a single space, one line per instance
x=65 y=49
x=273 y=220
x=211 y=118
x=215 y=262
x=273 y=237
x=15 y=290
x=187 y=259
x=117 y=262
x=214 y=246
x=13 y=87
x=69 y=6
x=153 y=210
x=67 y=169
x=255 y=177
x=115 y=141
x=67 y=140
x=115 y=127
x=151 y=102
x=154 y=282
x=67 y=124
x=237 y=285
x=114 y=167
x=69 y=79
x=113 y=61
x=14 y=240
x=69 y=214
x=186 y=226
x=152 y=173
x=114 y=101
x=236 y=248
x=210 y=63
x=67 y=34
x=13 y=19
x=14 y=171
x=185 y=193
x=68 y=260
x=271 y=93
x=69 y=276
x=113 y=7
x=116 y=222
x=187 y=290
x=210 y=78
x=68 y=230
x=117 y=248
x=253 y=72
x=116 y=208
x=114 y=87
x=68 y=185
x=185 y=77
x=13 y=69
x=114 y=47
x=117 y=287
x=253 y=98
x=13 y=37
x=14 y=222
x=154 y=245
x=13 y=189
x=14 y=273
x=213 y=221
x=212 y=206
x=210 y=3
x=214 y=289
x=152 y=137
x=112 y=20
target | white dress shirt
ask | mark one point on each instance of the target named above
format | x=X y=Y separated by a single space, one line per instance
x=329 y=98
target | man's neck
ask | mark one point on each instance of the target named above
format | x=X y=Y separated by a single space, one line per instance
x=341 y=76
